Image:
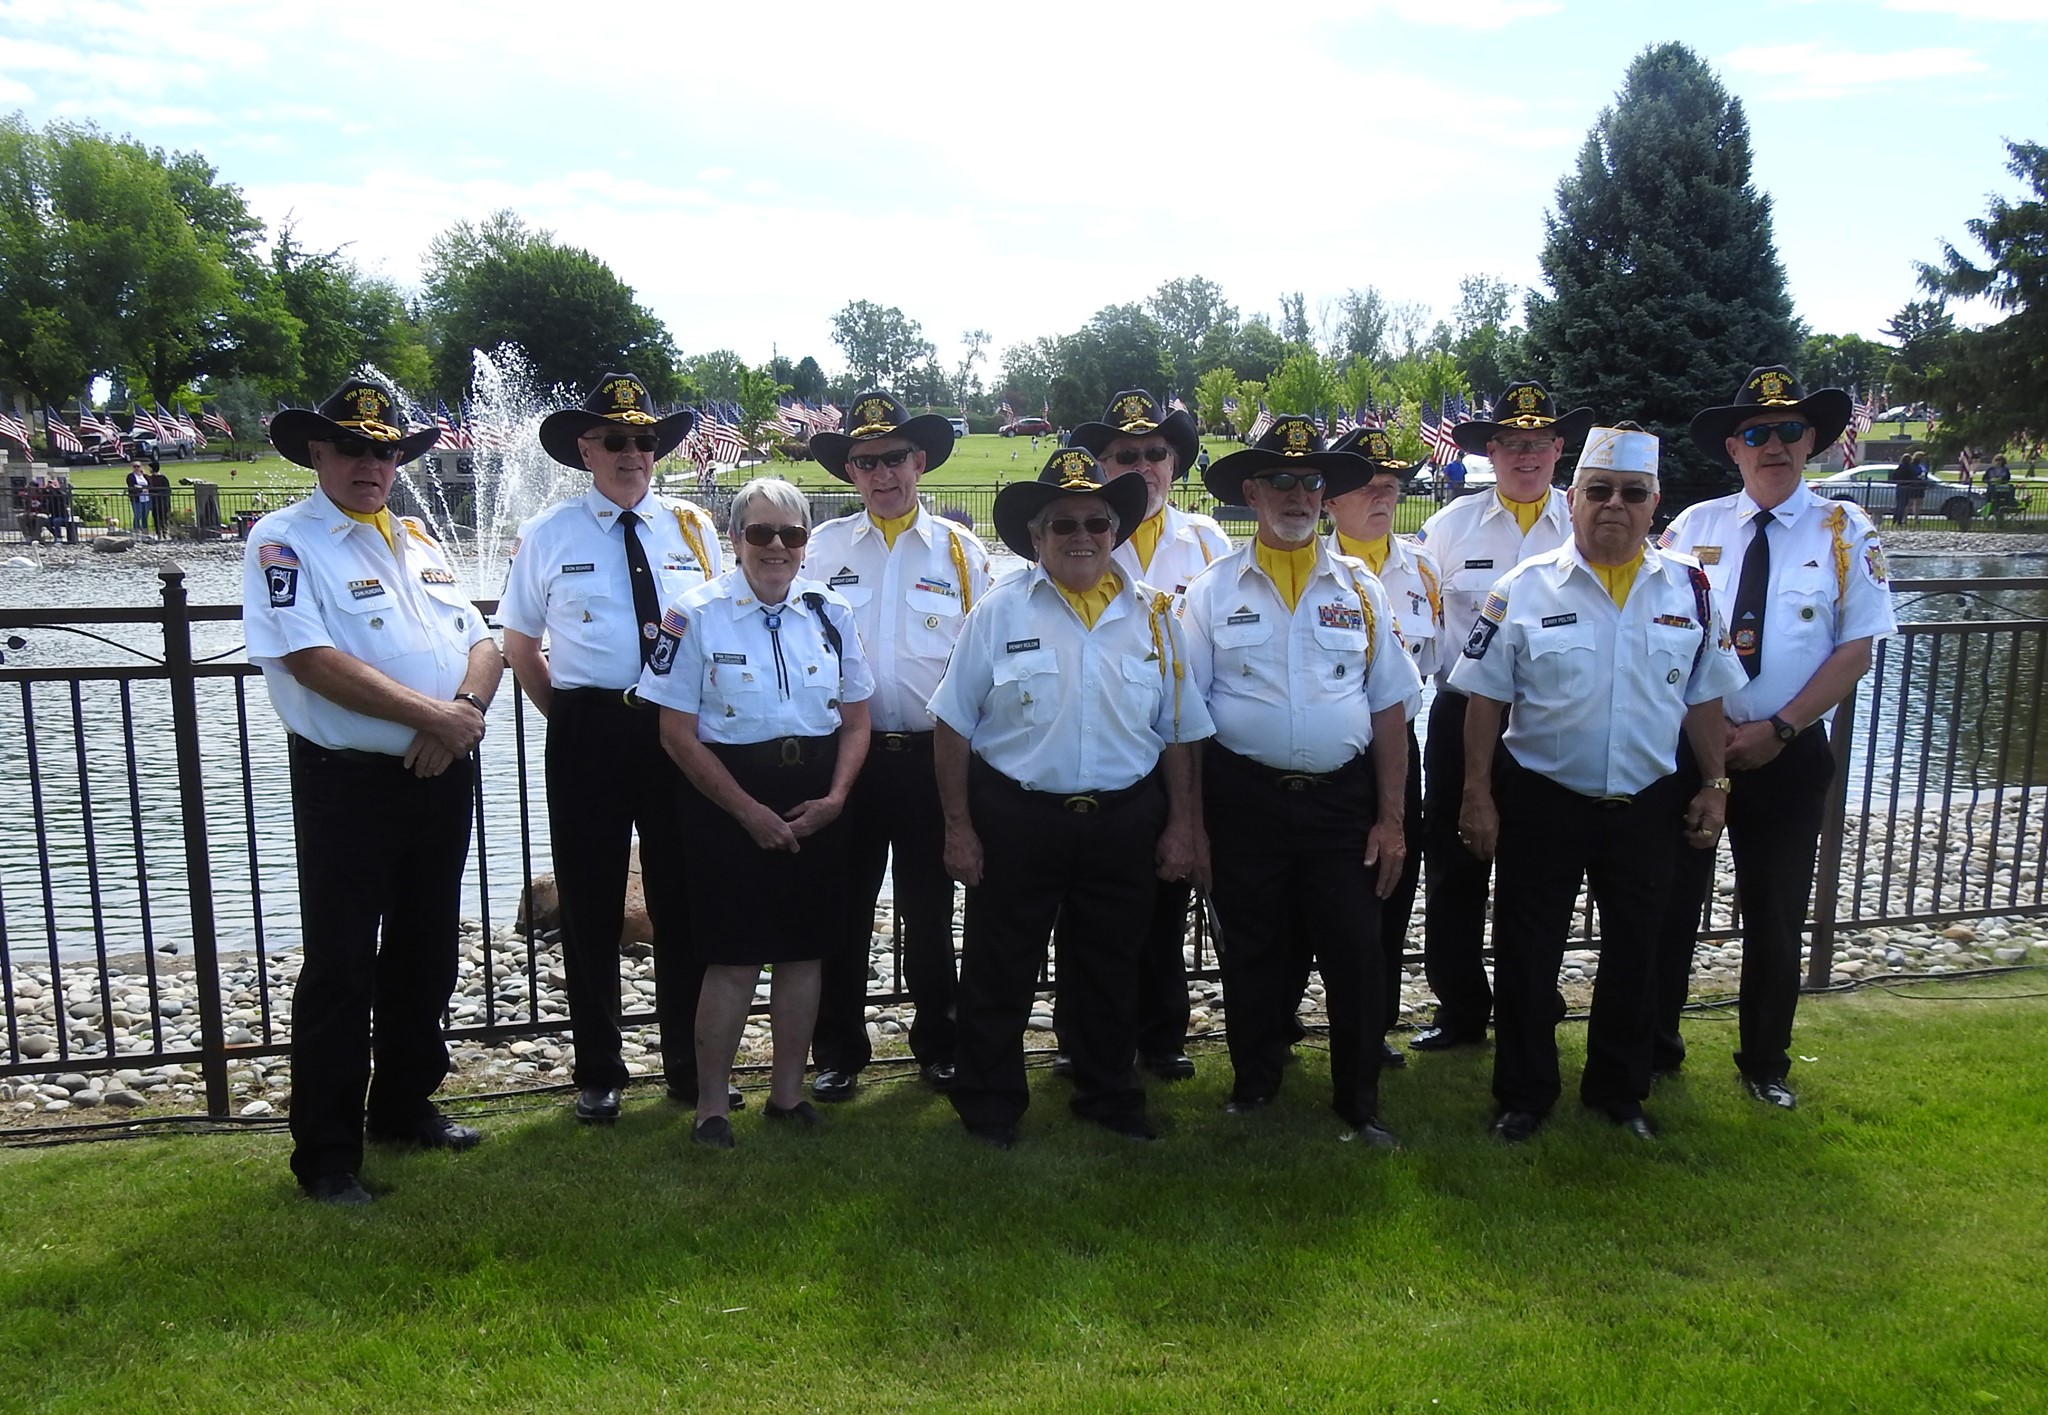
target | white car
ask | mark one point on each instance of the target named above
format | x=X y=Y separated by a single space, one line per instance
x=1871 y=487
x=959 y=426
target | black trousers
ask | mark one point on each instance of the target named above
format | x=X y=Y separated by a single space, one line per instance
x=1454 y=908
x=1163 y=1008
x=893 y=813
x=1551 y=839
x=608 y=776
x=1291 y=888
x=380 y=855
x=1774 y=816
x=1092 y=873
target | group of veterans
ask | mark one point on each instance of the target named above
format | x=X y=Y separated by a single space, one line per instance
x=1138 y=716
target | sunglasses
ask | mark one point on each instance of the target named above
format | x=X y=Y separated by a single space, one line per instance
x=1288 y=481
x=1760 y=435
x=1067 y=525
x=620 y=441
x=1600 y=492
x=1128 y=456
x=868 y=461
x=790 y=536
x=1524 y=446
x=353 y=447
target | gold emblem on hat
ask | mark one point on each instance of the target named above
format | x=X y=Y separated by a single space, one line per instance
x=1295 y=436
x=369 y=404
x=1527 y=399
x=1378 y=447
x=1073 y=470
x=1770 y=387
x=1135 y=414
x=625 y=393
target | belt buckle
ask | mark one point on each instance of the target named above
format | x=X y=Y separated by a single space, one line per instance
x=792 y=751
x=632 y=699
x=1615 y=803
x=895 y=741
x=1082 y=805
x=1295 y=781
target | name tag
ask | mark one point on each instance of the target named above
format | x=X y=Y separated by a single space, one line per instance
x=1020 y=646
x=1707 y=554
x=837 y=580
x=1478 y=564
x=365 y=589
x=728 y=658
x=1242 y=619
x=585 y=568
x=436 y=577
x=1553 y=621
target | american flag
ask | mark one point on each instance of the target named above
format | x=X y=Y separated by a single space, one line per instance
x=1322 y=427
x=1860 y=416
x=61 y=437
x=1260 y=423
x=1174 y=405
x=444 y=424
x=1230 y=409
x=833 y=417
x=1007 y=413
x=1368 y=417
x=215 y=421
x=191 y=429
x=1345 y=423
x=167 y=426
x=12 y=427
x=89 y=421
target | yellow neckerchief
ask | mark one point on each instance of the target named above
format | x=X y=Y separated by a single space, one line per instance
x=380 y=518
x=1288 y=569
x=1524 y=512
x=893 y=527
x=1089 y=604
x=1372 y=552
x=1618 y=578
x=1145 y=539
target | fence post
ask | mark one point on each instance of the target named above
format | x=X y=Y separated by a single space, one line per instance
x=1820 y=963
x=213 y=1058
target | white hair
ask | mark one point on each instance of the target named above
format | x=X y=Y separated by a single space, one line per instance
x=778 y=494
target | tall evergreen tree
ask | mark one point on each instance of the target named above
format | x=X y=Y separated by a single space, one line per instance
x=1664 y=276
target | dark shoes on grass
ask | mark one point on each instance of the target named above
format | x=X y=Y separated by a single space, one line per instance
x=430 y=1132
x=343 y=1191
x=831 y=1086
x=1772 y=1091
x=597 y=1105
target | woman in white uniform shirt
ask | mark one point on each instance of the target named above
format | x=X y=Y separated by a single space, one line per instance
x=764 y=692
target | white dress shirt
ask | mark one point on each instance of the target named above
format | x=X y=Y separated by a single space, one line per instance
x=1057 y=706
x=1295 y=689
x=909 y=601
x=569 y=581
x=1829 y=584
x=1476 y=540
x=1188 y=545
x=312 y=577
x=717 y=656
x=1414 y=586
x=1599 y=693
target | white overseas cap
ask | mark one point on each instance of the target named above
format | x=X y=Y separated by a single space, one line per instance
x=1626 y=448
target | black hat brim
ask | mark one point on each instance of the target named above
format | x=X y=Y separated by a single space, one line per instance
x=1018 y=502
x=559 y=432
x=1342 y=471
x=1826 y=408
x=932 y=434
x=293 y=428
x=1178 y=429
x=1572 y=427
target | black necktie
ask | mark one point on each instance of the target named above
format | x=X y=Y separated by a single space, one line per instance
x=1752 y=593
x=646 y=603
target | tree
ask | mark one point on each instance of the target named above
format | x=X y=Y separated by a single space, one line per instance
x=1843 y=361
x=1485 y=338
x=1305 y=383
x=1361 y=325
x=716 y=374
x=1028 y=372
x=1120 y=347
x=807 y=380
x=759 y=399
x=880 y=345
x=343 y=320
x=1294 y=328
x=1665 y=285
x=1211 y=390
x=1257 y=350
x=1188 y=310
x=966 y=383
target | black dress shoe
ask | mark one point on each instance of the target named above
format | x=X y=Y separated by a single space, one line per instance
x=1246 y=1105
x=1392 y=1058
x=1062 y=1064
x=1515 y=1127
x=1444 y=1039
x=1772 y=1091
x=832 y=1086
x=341 y=1190
x=1638 y=1127
x=597 y=1105
x=433 y=1132
x=1131 y=1127
x=996 y=1137
x=1374 y=1135
x=715 y=1133
x=937 y=1074
x=803 y=1114
x=1171 y=1066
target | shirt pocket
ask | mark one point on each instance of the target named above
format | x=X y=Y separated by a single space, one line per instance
x=1239 y=647
x=1804 y=610
x=373 y=629
x=586 y=613
x=1023 y=686
x=1342 y=655
x=1146 y=685
x=1561 y=662
x=737 y=690
x=934 y=622
x=1670 y=652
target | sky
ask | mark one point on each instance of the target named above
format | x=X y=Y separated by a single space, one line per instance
x=750 y=168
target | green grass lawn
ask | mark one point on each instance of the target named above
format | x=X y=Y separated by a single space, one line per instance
x=1880 y=1249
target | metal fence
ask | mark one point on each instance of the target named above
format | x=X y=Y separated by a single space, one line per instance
x=147 y=895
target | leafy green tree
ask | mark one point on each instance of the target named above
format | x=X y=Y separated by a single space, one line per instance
x=1120 y=347
x=1211 y=389
x=1250 y=392
x=758 y=397
x=881 y=346
x=1028 y=372
x=807 y=380
x=1257 y=350
x=1294 y=329
x=1485 y=337
x=1305 y=383
x=1665 y=284
x=1843 y=361
x=716 y=375
x=342 y=320
x=1361 y=327
x=1188 y=311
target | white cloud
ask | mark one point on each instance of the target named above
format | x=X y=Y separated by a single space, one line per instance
x=1827 y=71
x=12 y=92
x=2034 y=11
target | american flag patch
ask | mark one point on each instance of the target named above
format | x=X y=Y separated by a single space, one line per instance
x=673 y=623
x=1339 y=616
x=273 y=554
x=1496 y=606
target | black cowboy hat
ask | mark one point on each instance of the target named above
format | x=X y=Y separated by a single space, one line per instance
x=359 y=408
x=875 y=414
x=1292 y=443
x=1771 y=389
x=1376 y=447
x=1070 y=471
x=1523 y=407
x=1133 y=413
x=620 y=400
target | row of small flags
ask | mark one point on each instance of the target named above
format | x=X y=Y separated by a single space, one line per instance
x=163 y=426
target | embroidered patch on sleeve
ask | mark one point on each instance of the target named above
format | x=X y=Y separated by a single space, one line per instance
x=280 y=566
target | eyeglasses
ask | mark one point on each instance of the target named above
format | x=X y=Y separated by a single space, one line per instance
x=791 y=536
x=1524 y=446
x=620 y=441
x=1600 y=492
x=1128 y=456
x=1288 y=481
x=1067 y=525
x=354 y=447
x=1760 y=435
x=868 y=461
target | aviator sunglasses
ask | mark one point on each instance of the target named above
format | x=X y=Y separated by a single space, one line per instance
x=1128 y=456
x=353 y=447
x=1288 y=481
x=620 y=441
x=1067 y=525
x=1788 y=433
x=790 y=536
x=1599 y=492
x=868 y=461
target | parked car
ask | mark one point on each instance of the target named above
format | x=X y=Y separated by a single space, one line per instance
x=1027 y=427
x=959 y=426
x=144 y=447
x=1478 y=475
x=1872 y=488
x=98 y=452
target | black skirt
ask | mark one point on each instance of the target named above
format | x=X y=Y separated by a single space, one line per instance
x=750 y=905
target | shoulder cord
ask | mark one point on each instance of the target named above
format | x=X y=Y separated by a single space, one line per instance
x=1703 y=606
x=692 y=539
x=1162 y=649
x=1429 y=585
x=1371 y=621
x=960 y=569
x=1837 y=519
x=816 y=602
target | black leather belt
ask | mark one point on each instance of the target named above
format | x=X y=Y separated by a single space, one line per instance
x=894 y=742
x=608 y=697
x=1289 y=780
x=1080 y=803
x=346 y=754
x=776 y=751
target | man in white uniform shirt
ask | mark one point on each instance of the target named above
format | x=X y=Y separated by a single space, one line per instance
x=911 y=578
x=1477 y=539
x=1167 y=549
x=382 y=671
x=1605 y=649
x=1802 y=585
x=1066 y=770
x=590 y=576
x=1294 y=650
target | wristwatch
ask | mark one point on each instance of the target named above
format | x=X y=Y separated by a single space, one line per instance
x=1719 y=783
x=1785 y=730
x=474 y=701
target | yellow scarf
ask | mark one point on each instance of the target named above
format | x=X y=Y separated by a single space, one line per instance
x=1089 y=604
x=1145 y=539
x=893 y=528
x=1289 y=569
x=1524 y=512
x=1619 y=578
x=380 y=518
x=1372 y=552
